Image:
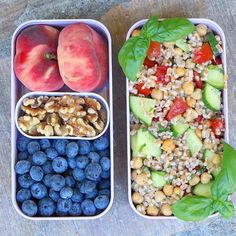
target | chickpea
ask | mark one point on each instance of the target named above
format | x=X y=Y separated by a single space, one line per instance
x=191 y=102
x=136 y=163
x=168 y=145
x=137 y=198
x=166 y=210
x=195 y=180
x=201 y=29
x=136 y=32
x=159 y=196
x=208 y=145
x=178 y=52
x=190 y=115
x=141 y=179
x=217 y=159
x=168 y=189
x=198 y=132
x=189 y=64
x=168 y=44
x=207 y=123
x=157 y=94
x=177 y=191
x=205 y=178
x=134 y=174
x=180 y=71
x=197 y=94
x=152 y=210
x=188 y=87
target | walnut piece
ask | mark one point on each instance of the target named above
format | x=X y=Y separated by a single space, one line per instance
x=26 y=123
x=45 y=129
x=93 y=103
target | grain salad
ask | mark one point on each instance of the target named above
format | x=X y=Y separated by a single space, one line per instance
x=176 y=122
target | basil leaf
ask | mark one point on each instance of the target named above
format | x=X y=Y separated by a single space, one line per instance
x=226 y=209
x=173 y=29
x=150 y=27
x=193 y=208
x=132 y=54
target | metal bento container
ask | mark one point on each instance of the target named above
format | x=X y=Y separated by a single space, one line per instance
x=217 y=29
x=104 y=95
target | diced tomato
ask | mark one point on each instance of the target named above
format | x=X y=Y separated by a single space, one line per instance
x=217 y=61
x=154 y=49
x=196 y=77
x=155 y=119
x=149 y=63
x=204 y=54
x=178 y=107
x=144 y=91
x=199 y=118
x=217 y=126
x=161 y=75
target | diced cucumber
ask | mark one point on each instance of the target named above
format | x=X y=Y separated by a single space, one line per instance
x=182 y=45
x=208 y=155
x=216 y=171
x=203 y=190
x=158 y=178
x=213 y=42
x=179 y=129
x=211 y=97
x=193 y=142
x=133 y=139
x=215 y=76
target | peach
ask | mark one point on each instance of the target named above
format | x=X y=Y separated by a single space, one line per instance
x=35 y=61
x=82 y=58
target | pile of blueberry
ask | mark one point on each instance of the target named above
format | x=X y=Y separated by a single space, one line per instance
x=62 y=177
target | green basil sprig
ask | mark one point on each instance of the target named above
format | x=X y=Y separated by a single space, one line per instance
x=191 y=208
x=132 y=54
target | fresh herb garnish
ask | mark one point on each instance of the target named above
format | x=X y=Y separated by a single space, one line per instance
x=132 y=54
x=195 y=208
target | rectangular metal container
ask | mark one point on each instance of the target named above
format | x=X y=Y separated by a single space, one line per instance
x=218 y=30
x=18 y=90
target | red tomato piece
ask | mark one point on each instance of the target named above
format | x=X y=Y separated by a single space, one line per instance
x=161 y=75
x=217 y=61
x=196 y=77
x=217 y=126
x=154 y=49
x=144 y=91
x=149 y=63
x=178 y=107
x=204 y=54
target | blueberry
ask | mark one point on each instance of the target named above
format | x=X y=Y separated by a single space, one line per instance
x=78 y=174
x=93 y=171
x=59 y=165
x=39 y=158
x=101 y=143
x=38 y=190
x=94 y=157
x=51 y=153
x=104 y=192
x=54 y=195
x=70 y=181
x=22 y=167
x=82 y=161
x=105 y=183
x=36 y=173
x=87 y=186
x=72 y=163
x=44 y=144
x=47 y=180
x=23 y=194
x=92 y=195
x=101 y=202
x=104 y=153
x=29 y=207
x=105 y=174
x=105 y=163
x=66 y=192
x=33 y=147
x=57 y=182
x=47 y=207
x=64 y=205
x=84 y=147
x=88 y=207
x=25 y=181
x=77 y=196
x=47 y=167
x=22 y=143
x=22 y=155
x=60 y=146
x=72 y=149
x=75 y=209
